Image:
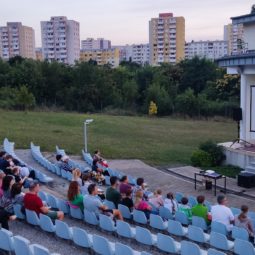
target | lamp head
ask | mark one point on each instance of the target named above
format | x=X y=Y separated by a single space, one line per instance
x=88 y=121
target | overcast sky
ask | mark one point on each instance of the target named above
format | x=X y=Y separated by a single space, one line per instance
x=126 y=21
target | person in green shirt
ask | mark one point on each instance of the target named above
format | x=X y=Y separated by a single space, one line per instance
x=200 y=209
x=185 y=208
x=74 y=195
x=112 y=194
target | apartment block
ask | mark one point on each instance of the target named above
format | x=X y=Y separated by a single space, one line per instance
x=102 y=57
x=60 y=40
x=17 y=40
x=138 y=53
x=95 y=44
x=38 y=54
x=166 y=39
x=206 y=49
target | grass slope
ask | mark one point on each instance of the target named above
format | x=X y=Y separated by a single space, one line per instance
x=157 y=141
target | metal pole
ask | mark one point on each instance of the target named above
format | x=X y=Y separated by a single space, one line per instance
x=85 y=137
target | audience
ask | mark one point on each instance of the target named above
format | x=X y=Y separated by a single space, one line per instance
x=170 y=203
x=243 y=221
x=127 y=200
x=157 y=199
x=17 y=195
x=200 y=209
x=112 y=193
x=34 y=203
x=222 y=213
x=141 y=204
x=74 y=195
x=185 y=208
x=124 y=185
x=93 y=203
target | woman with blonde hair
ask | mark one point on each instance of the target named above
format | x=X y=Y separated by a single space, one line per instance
x=157 y=199
x=141 y=204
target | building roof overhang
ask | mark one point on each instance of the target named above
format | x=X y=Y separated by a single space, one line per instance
x=244 y=19
x=247 y=59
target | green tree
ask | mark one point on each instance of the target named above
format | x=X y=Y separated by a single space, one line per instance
x=24 y=99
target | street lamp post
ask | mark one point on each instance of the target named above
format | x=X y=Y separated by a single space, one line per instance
x=86 y=122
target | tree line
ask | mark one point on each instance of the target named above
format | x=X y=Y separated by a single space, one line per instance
x=194 y=88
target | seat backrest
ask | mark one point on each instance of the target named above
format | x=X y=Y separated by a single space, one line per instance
x=219 y=227
x=21 y=246
x=182 y=218
x=90 y=217
x=43 y=195
x=101 y=245
x=165 y=213
x=81 y=237
x=40 y=250
x=109 y=204
x=52 y=201
x=218 y=241
x=32 y=217
x=156 y=222
x=235 y=211
x=76 y=212
x=106 y=223
x=139 y=217
x=125 y=211
x=17 y=210
x=178 y=196
x=6 y=240
x=123 y=229
x=122 y=249
x=199 y=222
x=242 y=247
x=192 y=201
x=188 y=248
x=63 y=230
x=46 y=223
x=215 y=252
x=240 y=233
x=143 y=236
x=166 y=243
x=196 y=234
x=175 y=228
x=63 y=206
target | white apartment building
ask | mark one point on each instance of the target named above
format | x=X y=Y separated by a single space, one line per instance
x=95 y=44
x=206 y=49
x=17 y=40
x=61 y=40
x=138 y=53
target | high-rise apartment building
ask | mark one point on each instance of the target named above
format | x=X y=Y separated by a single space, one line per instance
x=61 y=40
x=138 y=53
x=206 y=49
x=95 y=44
x=17 y=40
x=166 y=39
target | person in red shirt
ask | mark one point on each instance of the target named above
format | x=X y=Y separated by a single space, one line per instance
x=34 y=203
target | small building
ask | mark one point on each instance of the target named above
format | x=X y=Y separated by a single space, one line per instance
x=243 y=152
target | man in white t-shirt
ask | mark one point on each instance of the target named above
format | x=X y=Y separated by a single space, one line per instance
x=222 y=213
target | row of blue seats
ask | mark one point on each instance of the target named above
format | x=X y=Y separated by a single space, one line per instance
x=20 y=245
x=9 y=148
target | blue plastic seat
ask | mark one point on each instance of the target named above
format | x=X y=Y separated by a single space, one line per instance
x=251 y=215
x=167 y=244
x=102 y=246
x=220 y=241
x=32 y=218
x=17 y=211
x=109 y=204
x=22 y=246
x=46 y=224
x=188 y=248
x=208 y=205
x=157 y=222
x=63 y=230
x=242 y=247
x=82 y=238
x=62 y=206
x=122 y=249
x=139 y=217
x=199 y=222
x=76 y=212
x=235 y=211
x=192 y=201
x=182 y=218
x=106 y=223
x=165 y=213
x=107 y=180
x=125 y=230
x=41 y=250
x=145 y=253
x=175 y=228
x=6 y=240
x=179 y=196
x=52 y=201
x=219 y=227
x=197 y=234
x=43 y=196
x=90 y=218
x=144 y=236
x=125 y=211
x=240 y=233
x=215 y=252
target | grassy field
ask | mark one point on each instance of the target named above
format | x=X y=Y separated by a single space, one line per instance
x=157 y=141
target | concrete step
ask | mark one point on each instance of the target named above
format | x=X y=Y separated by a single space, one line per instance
x=250 y=169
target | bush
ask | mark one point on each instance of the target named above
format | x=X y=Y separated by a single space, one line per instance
x=215 y=151
x=201 y=159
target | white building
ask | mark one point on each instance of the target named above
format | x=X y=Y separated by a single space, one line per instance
x=17 y=40
x=61 y=40
x=95 y=44
x=138 y=53
x=206 y=49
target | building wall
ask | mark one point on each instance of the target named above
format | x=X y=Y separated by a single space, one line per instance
x=27 y=42
x=138 y=53
x=95 y=44
x=249 y=36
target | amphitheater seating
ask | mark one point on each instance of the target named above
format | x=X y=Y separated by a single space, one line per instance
x=240 y=233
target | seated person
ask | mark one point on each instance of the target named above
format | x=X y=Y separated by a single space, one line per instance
x=65 y=165
x=74 y=196
x=185 y=208
x=93 y=203
x=200 y=209
x=142 y=205
x=112 y=193
x=17 y=176
x=127 y=200
x=170 y=203
x=7 y=164
x=157 y=199
x=124 y=185
x=85 y=182
x=140 y=186
x=222 y=213
x=77 y=176
x=34 y=203
x=17 y=195
x=243 y=221
x=2 y=175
